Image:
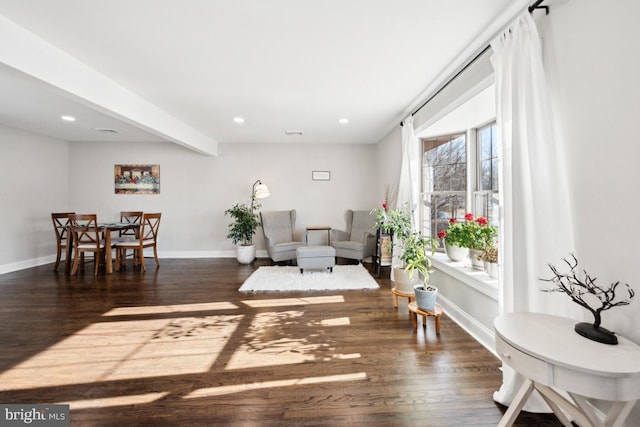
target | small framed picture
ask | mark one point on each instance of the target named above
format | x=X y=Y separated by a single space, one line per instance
x=321 y=175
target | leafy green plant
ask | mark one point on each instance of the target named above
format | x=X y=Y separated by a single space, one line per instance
x=474 y=233
x=397 y=221
x=245 y=223
x=415 y=256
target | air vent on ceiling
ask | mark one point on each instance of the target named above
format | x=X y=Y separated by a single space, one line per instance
x=107 y=130
x=293 y=132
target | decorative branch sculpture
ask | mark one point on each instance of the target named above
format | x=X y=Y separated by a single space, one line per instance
x=584 y=292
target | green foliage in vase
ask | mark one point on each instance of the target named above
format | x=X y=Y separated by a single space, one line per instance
x=474 y=233
x=245 y=223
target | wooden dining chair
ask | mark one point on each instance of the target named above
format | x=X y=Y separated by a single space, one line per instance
x=147 y=239
x=61 y=227
x=128 y=217
x=86 y=238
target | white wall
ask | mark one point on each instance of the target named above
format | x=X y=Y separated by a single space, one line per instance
x=195 y=190
x=389 y=159
x=34 y=181
x=592 y=61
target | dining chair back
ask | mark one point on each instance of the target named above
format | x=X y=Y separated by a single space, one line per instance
x=130 y=217
x=61 y=227
x=86 y=238
x=147 y=239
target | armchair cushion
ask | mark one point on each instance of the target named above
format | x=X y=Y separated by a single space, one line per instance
x=358 y=242
x=278 y=228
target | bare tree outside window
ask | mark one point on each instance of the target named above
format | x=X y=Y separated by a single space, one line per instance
x=445 y=172
x=444 y=181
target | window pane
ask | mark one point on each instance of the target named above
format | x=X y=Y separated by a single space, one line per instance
x=444 y=181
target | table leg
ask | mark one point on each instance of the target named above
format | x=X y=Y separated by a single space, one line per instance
x=107 y=248
x=67 y=262
x=414 y=320
x=437 y=325
x=514 y=409
x=618 y=413
x=395 y=300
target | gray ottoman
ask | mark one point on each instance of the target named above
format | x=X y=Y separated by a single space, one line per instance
x=315 y=257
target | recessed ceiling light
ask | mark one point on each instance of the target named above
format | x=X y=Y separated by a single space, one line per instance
x=238 y=119
x=343 y=121
x=68 y=118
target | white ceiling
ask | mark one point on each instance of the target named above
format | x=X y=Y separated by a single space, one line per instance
x=280 y=64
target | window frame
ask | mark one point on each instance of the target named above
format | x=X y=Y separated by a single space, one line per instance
x=473 y=177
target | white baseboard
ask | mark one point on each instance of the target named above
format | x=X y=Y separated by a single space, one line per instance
x=477 y=330
x=35 y=262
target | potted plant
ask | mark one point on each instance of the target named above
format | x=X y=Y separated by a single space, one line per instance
x=413 y=245
x=241 y=230
x=394 y=226
x=475 y=234
x=417 y=260
x=490 y=259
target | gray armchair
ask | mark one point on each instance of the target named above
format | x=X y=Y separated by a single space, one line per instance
x=358 y=241
x=278 y=228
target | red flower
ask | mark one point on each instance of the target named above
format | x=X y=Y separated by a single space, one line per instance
x=468 y=217
x=384 y=206
x=452 y=220
x=482 y=220
x=442 y=235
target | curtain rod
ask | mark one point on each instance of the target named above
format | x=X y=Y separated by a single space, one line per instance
x=534 y=6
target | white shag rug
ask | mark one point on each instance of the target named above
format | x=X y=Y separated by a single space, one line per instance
x=285 y=278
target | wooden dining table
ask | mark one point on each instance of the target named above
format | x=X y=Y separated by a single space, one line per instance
x=106 y=229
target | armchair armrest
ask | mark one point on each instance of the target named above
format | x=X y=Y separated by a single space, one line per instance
x=339 y=235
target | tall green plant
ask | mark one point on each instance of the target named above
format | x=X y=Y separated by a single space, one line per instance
x=245 y=223
x=415 y=256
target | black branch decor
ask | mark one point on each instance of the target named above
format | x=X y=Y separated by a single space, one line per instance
x=581 y=287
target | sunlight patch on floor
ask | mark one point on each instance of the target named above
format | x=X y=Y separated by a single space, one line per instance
x=237 y=388
x=106 y=402
x=285 y=338
x=280 y=302
x=131 y=349
x=163 y=309
x=338 y=321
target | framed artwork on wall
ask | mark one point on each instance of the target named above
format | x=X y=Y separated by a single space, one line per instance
x=137 y=179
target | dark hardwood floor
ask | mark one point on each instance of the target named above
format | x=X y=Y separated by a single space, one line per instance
x=180 y=346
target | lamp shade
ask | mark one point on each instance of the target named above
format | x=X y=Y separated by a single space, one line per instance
x=261 y=191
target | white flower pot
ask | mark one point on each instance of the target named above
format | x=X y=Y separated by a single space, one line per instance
x=476 y=262
x=492 y=269
x=246 y=254
x=426 y=296
x=402 y=281
x=455 y=253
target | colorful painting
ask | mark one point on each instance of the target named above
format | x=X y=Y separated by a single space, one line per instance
x=137 y=179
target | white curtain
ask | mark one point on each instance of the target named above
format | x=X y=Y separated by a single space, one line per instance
x=535 y=222
x=409 y=186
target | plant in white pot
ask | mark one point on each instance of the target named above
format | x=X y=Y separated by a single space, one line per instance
x=425 y=293
x=241 y=230
x=398 y=223
x=490 y=259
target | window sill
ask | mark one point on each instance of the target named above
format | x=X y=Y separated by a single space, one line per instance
x=462 y=271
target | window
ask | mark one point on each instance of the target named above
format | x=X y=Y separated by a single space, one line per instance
x=459 y=175
x=444 y=181
x=486 y=196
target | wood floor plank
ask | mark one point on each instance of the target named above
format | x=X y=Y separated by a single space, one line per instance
x=181 y=346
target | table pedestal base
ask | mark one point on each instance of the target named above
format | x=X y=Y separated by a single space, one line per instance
x=580 y=410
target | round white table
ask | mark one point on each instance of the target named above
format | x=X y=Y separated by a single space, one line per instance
x=551 y=356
